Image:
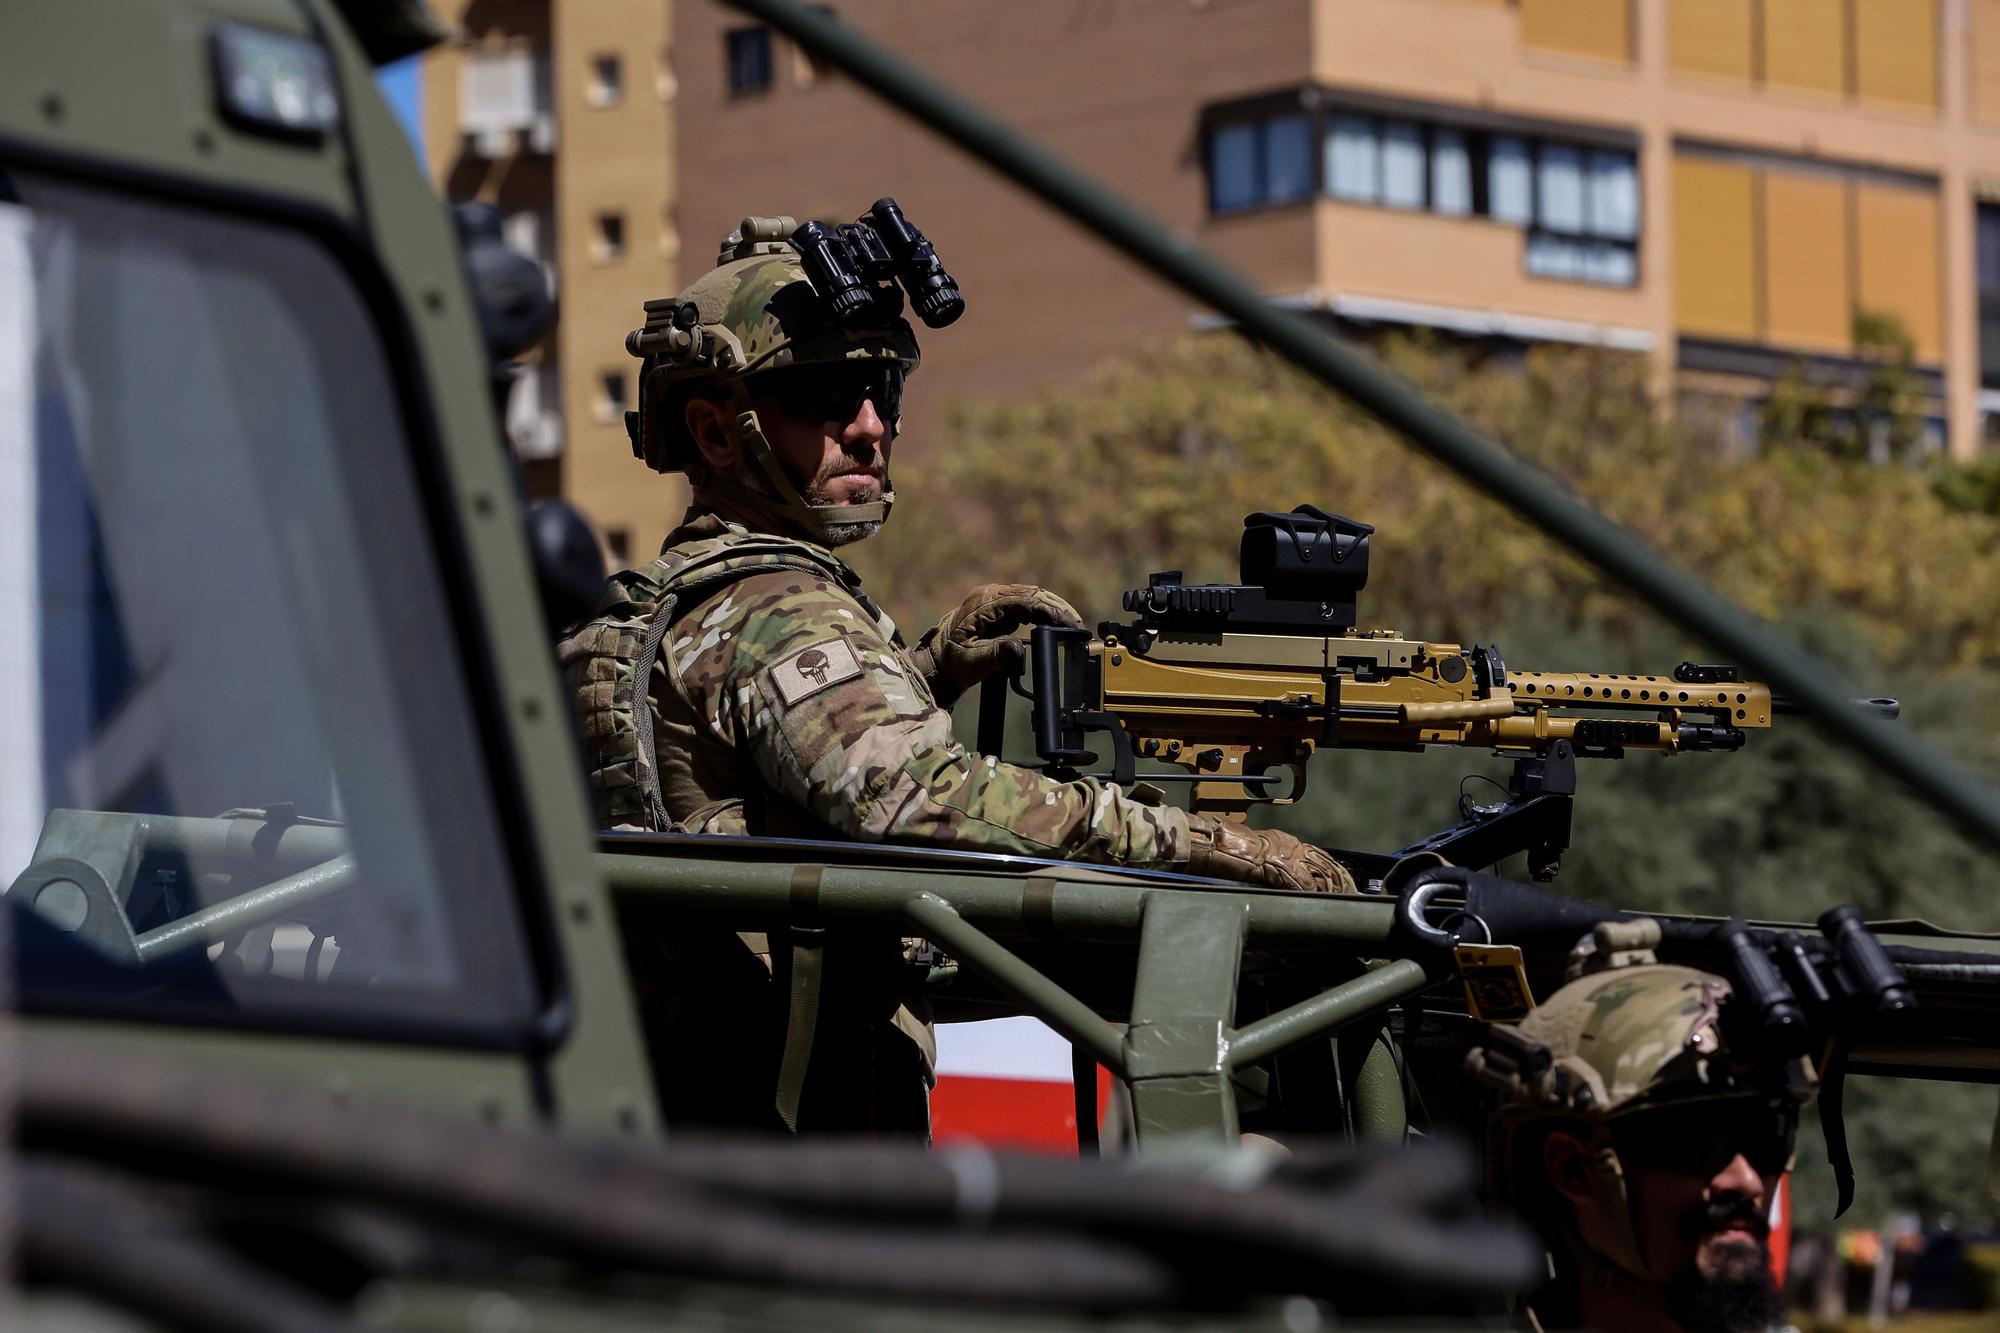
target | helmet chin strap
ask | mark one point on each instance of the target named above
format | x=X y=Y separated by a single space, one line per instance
x=1622 y=1248
x=782 y=502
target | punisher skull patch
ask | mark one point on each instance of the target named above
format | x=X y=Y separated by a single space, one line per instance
x=810 y=670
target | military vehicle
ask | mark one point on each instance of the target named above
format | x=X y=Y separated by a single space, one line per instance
x=321 y=1009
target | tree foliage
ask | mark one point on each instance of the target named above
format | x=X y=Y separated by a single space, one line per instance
x=1875 y=417
x=1154 y=461
x=1888 y=571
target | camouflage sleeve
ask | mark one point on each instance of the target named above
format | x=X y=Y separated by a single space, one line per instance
x=793 y=674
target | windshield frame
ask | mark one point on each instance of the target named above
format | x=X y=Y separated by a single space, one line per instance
x=346 y=244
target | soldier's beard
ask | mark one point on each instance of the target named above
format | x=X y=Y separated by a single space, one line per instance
x=817 y=496
x=1738 y=1292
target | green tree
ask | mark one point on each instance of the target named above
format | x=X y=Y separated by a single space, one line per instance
x=1879 y=418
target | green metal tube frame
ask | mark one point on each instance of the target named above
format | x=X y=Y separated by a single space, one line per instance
x=1374 y=990
x=1973 y=804
x=753 y=895
x=1042 y=997
x=1178 y=1053
x=233 y=916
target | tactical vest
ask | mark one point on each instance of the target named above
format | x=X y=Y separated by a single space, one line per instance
x=608 y=662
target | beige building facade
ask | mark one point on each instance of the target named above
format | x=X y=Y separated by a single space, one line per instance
x=1719 y=185
x=562 y=114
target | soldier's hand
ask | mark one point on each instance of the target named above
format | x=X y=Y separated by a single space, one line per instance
x=1269 y=857
x=977 y=639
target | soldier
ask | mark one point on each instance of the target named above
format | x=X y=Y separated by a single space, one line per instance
x=1645 y=1149
x=778 y=698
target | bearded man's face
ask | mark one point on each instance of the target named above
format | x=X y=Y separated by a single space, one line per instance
x=1700 y=1181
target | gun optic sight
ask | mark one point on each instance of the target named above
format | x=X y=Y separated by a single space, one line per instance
x=1301 y=571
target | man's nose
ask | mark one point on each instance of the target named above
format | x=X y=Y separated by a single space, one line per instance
x=1739 y=1177
x=865 y=426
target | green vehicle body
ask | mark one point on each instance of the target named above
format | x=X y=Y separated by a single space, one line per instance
x=1144 y=974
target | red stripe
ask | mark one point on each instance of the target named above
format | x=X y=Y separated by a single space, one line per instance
x=1009 y=1112
x=1781 y=1228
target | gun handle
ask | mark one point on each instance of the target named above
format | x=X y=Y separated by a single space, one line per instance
x=992 y=735
x=1057 y=655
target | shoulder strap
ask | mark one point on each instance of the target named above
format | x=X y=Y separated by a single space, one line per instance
x=678 y=582
x=725 y=559
x=642 y=715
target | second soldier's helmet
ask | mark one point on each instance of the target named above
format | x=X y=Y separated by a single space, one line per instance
x=755 y=312
x=1609 y=1048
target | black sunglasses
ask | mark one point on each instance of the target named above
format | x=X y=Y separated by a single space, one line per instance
x=834 y=392
x=1701 y=1138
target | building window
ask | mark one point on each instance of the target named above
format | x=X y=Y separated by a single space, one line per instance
x=608 y=242
x=1988 y=264
x=1260 y=162
x=749 y=59
x=618 y=541
x=1614 y=194
x=607 y=80
x=1559 y=183
x=1510 y=189
x=1402 y=164
x=1288 y=173
x=1451 y=174
x=534 y=412
x=611 y=396
x=1232 y=168
x=1579 y=203
x=503 y=94
x=1353 y=160
x=1586 y=215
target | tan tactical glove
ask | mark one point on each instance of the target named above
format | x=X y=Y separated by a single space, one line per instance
x=1225 y=849
x=977 y=639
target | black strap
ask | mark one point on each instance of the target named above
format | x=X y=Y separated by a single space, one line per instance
x=1083 y=1078
x=807 y=964
x=1832 y=1084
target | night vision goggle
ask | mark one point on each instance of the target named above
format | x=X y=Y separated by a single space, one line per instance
x=854 y=267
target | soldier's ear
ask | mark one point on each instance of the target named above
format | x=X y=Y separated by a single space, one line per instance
x=1567 y=1159
x=709 y=426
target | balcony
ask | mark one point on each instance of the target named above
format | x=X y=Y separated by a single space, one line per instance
x=506 y=103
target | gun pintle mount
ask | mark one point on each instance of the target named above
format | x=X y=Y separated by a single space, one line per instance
x=1231 y=681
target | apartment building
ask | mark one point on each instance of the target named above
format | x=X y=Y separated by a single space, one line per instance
x=1719 y=185
x=560 y=112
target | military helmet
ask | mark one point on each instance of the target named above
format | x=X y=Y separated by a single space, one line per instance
x=1603 y=1050
x=1645 y=1034
x=755 y=311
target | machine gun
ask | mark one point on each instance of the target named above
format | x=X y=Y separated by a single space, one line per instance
x=1231 y=681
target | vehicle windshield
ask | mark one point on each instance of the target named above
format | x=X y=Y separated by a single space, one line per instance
x=239 y=775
